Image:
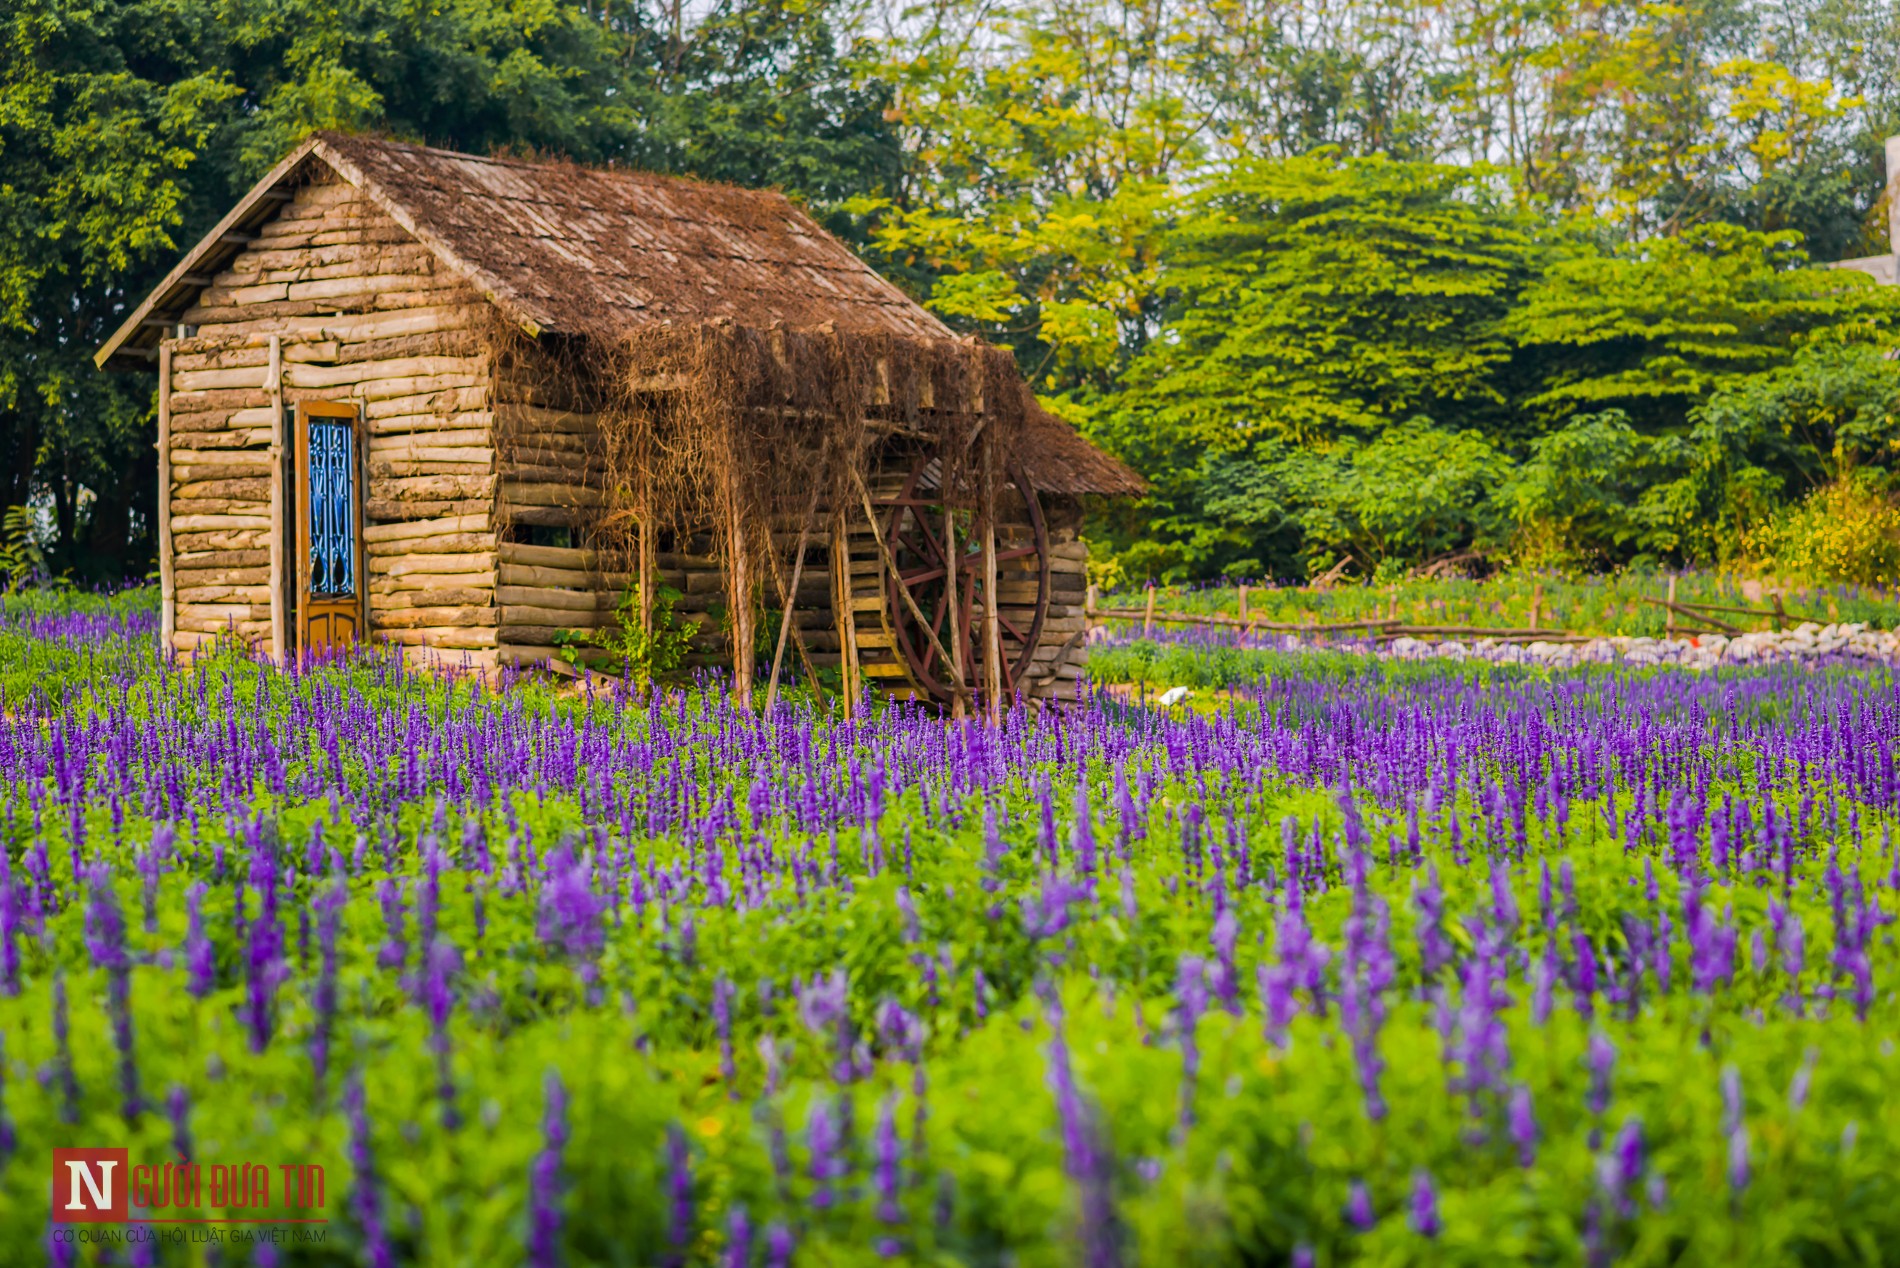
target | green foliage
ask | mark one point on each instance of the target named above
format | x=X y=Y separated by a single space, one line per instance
x=641 y=654
x=1656 y=328
x=1320 y=298
x=1848 y=530
x=22 y=562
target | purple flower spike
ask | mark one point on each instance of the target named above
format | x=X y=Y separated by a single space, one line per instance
x=1086 y=1157
x=1359 y=1207
x=1738 y=1162
x=1523 y=1125
x=365 y=1197
x=200 y=957
x=1601 y=1059
x=888 y=1172
x=779 y=1245
x=546 y=1182
x=679 y=1188
x=1424 y=1205
x=105 y=939
x=738 y=1239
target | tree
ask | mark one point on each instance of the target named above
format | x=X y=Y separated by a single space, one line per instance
x=1314 y=304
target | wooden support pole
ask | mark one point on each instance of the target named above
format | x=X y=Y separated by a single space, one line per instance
x=1243 y=603
x=1781 y=613
x=279 y=510
x=1148 y=619
x=1537 y=602
x=1669 y=624
x=1092 y=599
x=167 y=567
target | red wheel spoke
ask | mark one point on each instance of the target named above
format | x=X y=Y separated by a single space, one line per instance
x=1010 y=625
x=933 y=553
x=912 y=580
x=1019 y=552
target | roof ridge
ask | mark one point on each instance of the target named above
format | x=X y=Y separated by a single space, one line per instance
x=333 y=137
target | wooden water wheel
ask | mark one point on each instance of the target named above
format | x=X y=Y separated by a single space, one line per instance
x=916 y=527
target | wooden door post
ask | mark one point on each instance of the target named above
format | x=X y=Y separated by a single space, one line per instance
x=279 y=495
x=167 y=576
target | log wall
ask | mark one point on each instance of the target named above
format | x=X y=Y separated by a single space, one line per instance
x=359 y=312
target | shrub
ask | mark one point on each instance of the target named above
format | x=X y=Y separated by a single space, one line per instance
x=1848 y=530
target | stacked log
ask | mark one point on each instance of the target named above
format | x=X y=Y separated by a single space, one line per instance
x=366 y=315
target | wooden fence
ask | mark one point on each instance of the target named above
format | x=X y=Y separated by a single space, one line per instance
x=1694 y=618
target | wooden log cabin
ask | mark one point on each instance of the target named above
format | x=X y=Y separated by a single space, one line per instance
x=374 y=424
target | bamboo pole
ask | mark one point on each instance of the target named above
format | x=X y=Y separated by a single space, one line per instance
x=992 y=629
x=741 y=596
x=791 y=598
x=884 y=553
x=646 y=547
x=167 y=567
x=950 y=614
x=992 y=621
x=847 y=621
x=279 y=496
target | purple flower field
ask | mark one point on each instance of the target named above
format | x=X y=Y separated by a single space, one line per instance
x=1381 y=962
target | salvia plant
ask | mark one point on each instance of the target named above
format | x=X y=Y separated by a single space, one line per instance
x=1403 y=964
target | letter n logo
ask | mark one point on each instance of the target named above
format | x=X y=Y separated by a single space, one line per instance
x=89 y=1185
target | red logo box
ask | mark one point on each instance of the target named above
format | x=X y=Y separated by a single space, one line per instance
x=90 y=1185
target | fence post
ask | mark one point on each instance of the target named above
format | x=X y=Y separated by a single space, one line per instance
x=1669 y=624
x=1780 y=612
x=1243 y=604
x=1537 y=603
x=1092 y=601
x=1148 y=617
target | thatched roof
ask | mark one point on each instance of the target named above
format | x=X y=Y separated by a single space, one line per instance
x=1057 y=460
x=602 y=252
